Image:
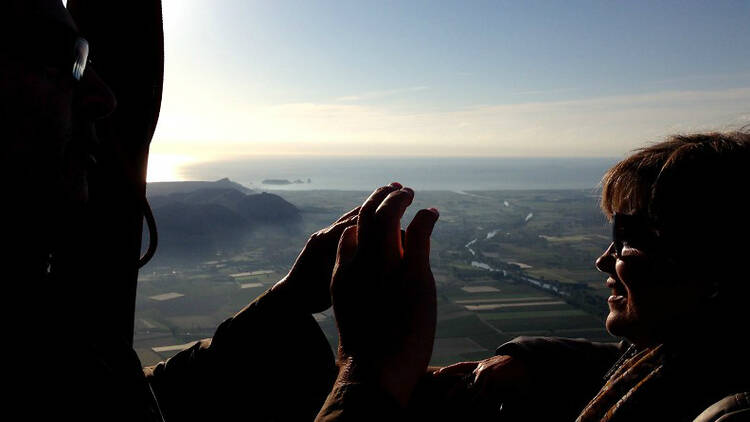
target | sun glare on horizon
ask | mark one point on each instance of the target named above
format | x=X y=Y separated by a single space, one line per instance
x=166 y=167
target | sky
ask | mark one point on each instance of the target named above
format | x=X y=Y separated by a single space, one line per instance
x=446 y=78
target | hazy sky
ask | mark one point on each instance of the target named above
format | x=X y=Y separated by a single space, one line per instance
x=522 y=78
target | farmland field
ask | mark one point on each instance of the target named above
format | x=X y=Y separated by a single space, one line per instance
x=484 y=296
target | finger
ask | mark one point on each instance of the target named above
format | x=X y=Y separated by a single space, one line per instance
x=489 y=387
x=403 y=238
x=349 y=214
x=388 y=224
x=417 y=250
x=457 y=369
x=480 y=377
x=367 y=211
x=494 y=375
x=459 y=393
x=341 y=284
x=347 y=247
x=334 y=232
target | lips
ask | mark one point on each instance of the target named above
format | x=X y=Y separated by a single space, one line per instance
x=611 y=283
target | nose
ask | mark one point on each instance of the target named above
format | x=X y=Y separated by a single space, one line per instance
x=606 y=262
x=94 y=98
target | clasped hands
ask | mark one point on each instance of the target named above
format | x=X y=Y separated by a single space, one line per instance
x=381 y=288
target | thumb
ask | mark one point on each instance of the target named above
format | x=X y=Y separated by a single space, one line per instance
x=417 y=247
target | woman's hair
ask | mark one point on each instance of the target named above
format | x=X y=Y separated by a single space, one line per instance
x=693 y=188
x=707 y=160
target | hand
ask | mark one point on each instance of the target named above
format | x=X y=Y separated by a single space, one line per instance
x=308 y=282
x=384 y=295
x=492 y=378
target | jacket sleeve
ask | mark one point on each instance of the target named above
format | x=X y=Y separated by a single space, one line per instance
x=567 y=373
x=258 y=362
x=732 y=408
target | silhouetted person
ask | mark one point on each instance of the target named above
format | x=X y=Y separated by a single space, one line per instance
x=74 y=164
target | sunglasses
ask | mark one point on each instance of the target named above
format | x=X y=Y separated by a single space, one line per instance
x=635 y=231
x=80 y=58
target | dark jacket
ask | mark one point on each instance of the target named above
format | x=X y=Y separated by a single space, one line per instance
x=706 y=383
x=698 y=379
x=265 y=358
x=71 y=281
x=260 y=361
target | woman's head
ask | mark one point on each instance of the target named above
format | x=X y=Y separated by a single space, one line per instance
x=682 y=233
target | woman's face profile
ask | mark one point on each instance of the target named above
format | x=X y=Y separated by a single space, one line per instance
x=651 y=295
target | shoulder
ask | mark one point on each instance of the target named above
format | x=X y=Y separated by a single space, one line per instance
x=732 y=408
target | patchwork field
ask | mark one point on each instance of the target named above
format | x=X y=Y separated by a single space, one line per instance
x=506 y=263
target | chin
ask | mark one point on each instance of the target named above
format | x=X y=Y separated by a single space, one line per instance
x=625 y=325
x=616 y=324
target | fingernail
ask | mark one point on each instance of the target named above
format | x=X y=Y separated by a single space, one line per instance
x=435 y=211
x=396 y=185
x=410 y=190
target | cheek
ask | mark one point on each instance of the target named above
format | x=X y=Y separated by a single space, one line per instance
x=41 y=113
x=632 y=274
x=647 y=293
x=657 y=296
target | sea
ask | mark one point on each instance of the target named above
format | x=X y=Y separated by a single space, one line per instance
x=421 y=173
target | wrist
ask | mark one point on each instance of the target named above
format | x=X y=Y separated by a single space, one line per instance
x=354 y=371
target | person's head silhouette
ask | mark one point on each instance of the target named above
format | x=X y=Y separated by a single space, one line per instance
x=680 y=235
x=50 y=96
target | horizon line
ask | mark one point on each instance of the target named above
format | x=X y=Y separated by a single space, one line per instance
x=194 y=159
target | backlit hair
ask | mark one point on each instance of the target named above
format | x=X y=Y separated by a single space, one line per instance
x=699 y=165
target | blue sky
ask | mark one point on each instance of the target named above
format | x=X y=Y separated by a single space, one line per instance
x=526 y=78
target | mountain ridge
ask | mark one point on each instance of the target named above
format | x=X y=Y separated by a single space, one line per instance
x=198 y=219
x=166 y=188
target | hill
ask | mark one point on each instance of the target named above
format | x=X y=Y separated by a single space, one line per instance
x=166 y=188
x=198 y=219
